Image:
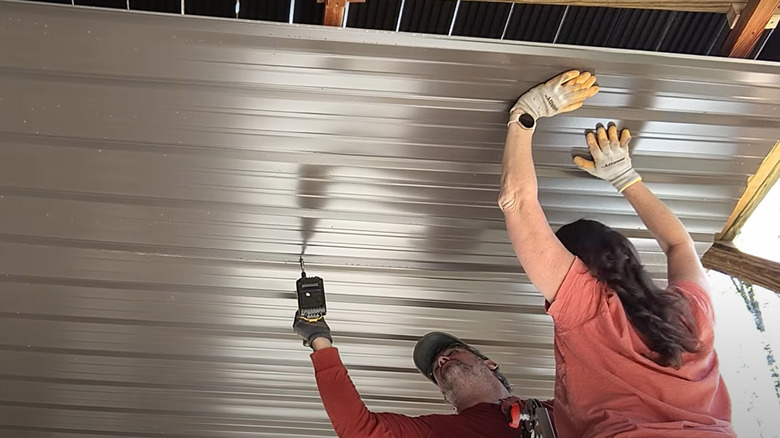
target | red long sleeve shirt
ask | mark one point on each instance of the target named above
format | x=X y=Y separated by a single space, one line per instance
x=351 y=418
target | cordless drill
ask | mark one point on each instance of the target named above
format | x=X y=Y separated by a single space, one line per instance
x=311 y=297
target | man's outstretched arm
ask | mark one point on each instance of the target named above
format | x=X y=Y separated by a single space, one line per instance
x=347 y=412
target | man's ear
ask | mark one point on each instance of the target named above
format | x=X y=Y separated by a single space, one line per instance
x=491 y=365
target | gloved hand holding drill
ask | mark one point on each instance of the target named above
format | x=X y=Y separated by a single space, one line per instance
x=310 y=331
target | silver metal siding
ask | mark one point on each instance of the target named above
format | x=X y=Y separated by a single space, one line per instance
x=159 y=174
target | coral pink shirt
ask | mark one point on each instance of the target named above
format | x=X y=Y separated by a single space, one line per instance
x=607 y=387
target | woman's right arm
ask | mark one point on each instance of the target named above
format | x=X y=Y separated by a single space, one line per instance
x=612 y=163
x=682 y=262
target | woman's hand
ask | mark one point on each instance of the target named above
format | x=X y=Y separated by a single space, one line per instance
x=561 y=94
x=611 y=160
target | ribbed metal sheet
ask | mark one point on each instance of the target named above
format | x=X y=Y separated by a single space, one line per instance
x=211 y=8
x=170 y=6
x=116 y=4
x=428 y=16
x=640 y=29
x=588 y=26
x=696 y=33
x=309 y=12
x=159 y=175
x=266 y=10
x=62 y=2
x=376 y=14
x=481 y=19
x=537 y=23
x=771 y=50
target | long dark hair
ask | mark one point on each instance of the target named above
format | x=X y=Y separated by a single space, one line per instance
x=662 y=317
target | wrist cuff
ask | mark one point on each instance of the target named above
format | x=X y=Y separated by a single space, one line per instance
x=326 y=358
x=626 y=179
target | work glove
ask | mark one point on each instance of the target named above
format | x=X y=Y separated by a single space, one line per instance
x=310 y=331
x=563 y=93
x=611 y=161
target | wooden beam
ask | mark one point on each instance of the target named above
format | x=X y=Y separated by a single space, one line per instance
x=726 y=258
x=751 y=23
x=757 y=187
x=334 y=11
x=735 y=11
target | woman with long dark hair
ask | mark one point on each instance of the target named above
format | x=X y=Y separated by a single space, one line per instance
x=632 y=359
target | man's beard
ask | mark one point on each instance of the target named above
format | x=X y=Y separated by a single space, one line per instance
x=461 y=378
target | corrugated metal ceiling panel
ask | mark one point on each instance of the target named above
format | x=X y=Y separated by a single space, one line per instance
x=159 y=175
x=639 y=29
x=116 y=4
x=695 y=33
x=428 y=16
x=375 y=14
x=62 y=2
x=211 y=8
x=588 y=26
x=771 y=50
x=309 y=12
x=169 y=6
x=266 y=10
x=481 y=19
x=538 y=23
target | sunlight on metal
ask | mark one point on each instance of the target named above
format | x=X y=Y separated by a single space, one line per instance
x=400 y=15
x=160 y=175
x=292 y=12
x=454 y=18
x=346 y=14
x=560 y=25
x=508 y=20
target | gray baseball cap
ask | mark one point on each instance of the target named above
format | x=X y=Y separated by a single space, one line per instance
x=430 y=345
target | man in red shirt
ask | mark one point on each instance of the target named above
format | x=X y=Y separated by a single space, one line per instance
x=469 y=381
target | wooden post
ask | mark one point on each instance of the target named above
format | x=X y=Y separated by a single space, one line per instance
x=751 y=23
x=334 y=12
x=726 y=258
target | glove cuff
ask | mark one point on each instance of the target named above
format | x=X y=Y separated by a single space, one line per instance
x=626 y=179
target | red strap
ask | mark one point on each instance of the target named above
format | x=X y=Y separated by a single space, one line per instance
x=515 y=415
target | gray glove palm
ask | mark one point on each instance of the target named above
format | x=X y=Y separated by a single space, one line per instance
x=310 y=331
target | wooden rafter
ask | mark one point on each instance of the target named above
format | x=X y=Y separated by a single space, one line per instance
x=334 y=11
x=726 y=258
x=751 y=23
x=735 y=11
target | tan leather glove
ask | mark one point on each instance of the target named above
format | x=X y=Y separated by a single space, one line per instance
x=611 y=161
x=563 y=93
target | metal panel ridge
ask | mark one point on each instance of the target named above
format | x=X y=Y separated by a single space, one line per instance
x=160 y=175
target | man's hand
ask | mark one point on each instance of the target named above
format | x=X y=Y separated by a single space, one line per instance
x=311 y=331
x=563 y=93
x=611 y=161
